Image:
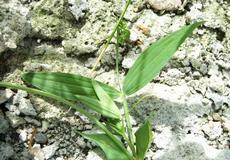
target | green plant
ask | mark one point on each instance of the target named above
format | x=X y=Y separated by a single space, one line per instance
x=116 y=139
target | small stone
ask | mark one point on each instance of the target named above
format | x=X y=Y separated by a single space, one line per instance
x=12 y=108
x=26 y=107
x=4 y=125
x=33 y=121
x=20 y=95
x=6 y=151
x=15 y=120
x=93 y=156
x=81 y=142
x=23 y=135
x=50 y=150
x=167 y=5
x=213 y=130
x=37 y=152
x=216 y=117
x=41 y=138
x=5 y=95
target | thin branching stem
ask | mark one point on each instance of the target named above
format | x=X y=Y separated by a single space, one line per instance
x=72 y=105
x=109 y=39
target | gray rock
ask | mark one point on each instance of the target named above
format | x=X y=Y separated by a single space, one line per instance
x=12 y=108
x=15 y=120
x=4 y=125
x=50 y=150
x=33 y=121
x=6 y=151
x=5 y=95
x=41 y=138
x=23 y=135
x=14 y=25
x=26 y=107
x=167 y=5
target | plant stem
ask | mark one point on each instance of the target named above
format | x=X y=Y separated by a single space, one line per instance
x=110 y=38
x=72 y=105
x=128 y=123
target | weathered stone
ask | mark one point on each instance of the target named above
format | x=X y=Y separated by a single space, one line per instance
x=15 y=120
x=41 y=138
x=5 y=95
x=50 y=150
x=26 y=107
x=167 y=5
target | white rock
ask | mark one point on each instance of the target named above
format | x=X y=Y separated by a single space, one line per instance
x=12 y=108
x=78 y=8
x=23 y=135
x=50 y=150
x=165 y=4
x=19 y=95
x=213 y=130
x=26 y=107
x=5 y=95
x=93 y=156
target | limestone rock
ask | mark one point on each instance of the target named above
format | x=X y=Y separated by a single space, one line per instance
x=167 y=5
x=14 y=25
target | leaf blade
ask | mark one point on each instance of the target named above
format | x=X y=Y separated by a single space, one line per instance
x=66 y=85
x=153 y=59
x=111 y=150
x=143 y=139
x=99 y=107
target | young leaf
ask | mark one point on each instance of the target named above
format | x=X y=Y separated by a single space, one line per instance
x=106 y=110
x=111 y=150
x=143 y=139
x=153 y=59
x=66 y=85
x=123 y=33
x=115 y=125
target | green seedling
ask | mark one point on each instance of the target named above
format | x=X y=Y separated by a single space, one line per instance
x=117 y=138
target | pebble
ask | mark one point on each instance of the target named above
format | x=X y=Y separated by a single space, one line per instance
x=33 y=121
x=213 y=130
x=93 y=156
x=5 y=95
x=81 y=143
x=20 y=95
x=26 y=107
x=12 y=108
x=50 y=150
x=167 y=5
x=226 y=126
x=15 y=120
x=41 y=138
x=216 y=117
x=23 y=135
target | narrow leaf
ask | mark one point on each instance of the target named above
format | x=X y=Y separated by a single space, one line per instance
x=105 y=99
x=111 y=150
x=143 y=139
x=100 y=107
x=154 y=58
x=66 y=85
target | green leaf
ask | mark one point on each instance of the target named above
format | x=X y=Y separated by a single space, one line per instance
x=111 y=150
x=100 y=107
x=105 y=99
x=66 y=85
x=143 y=139
x=154 y=58
x=123 y=33
x=115 y=125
